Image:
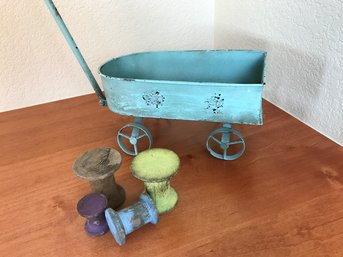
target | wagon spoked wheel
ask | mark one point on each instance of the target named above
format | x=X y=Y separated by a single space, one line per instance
x=138 y=133
x=225 y=142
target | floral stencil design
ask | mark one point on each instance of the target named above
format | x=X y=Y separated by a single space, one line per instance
x=153 y=98
x=215 y=103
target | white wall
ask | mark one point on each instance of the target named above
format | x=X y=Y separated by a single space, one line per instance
x=37 y=66
x=304 y=40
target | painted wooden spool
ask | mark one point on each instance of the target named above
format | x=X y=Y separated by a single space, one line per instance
x=98 y=166
x=155 y=167
x=127 y=220
x=92 y=207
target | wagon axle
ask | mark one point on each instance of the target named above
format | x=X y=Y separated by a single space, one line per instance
x=224 y=143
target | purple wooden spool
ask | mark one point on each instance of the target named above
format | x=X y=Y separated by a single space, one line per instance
x=92 y=207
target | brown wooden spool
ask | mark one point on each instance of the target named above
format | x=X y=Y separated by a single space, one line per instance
x=98 y=167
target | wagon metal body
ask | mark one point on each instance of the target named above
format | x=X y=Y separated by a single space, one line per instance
x=220 y=86
x=210 y=85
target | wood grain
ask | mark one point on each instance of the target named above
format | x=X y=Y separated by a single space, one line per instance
x=283 y=197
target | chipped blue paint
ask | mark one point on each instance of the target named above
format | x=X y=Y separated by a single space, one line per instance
x=220 y=86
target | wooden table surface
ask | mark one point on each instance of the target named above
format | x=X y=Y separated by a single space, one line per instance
x=283 y=197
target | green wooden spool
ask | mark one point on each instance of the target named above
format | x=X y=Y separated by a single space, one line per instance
x=155 y=167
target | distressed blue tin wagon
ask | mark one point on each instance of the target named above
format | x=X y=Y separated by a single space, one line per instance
x=219 y=86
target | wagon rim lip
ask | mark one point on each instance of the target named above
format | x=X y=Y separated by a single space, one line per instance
x=181 y=81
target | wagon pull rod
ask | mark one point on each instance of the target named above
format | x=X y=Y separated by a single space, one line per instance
x=54 y=12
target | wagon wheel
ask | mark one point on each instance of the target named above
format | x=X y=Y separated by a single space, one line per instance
x=225 y=143
x=138 y=132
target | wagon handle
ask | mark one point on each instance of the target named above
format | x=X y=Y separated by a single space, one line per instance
x=54 y=12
